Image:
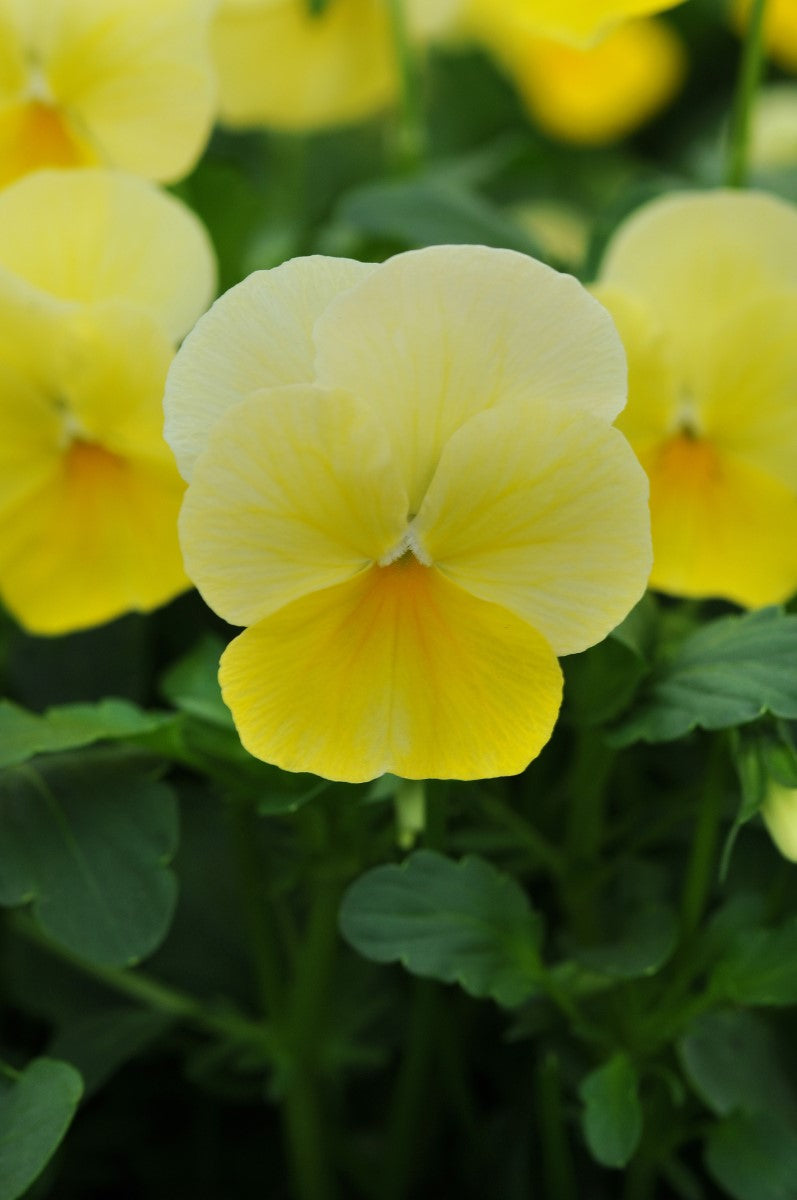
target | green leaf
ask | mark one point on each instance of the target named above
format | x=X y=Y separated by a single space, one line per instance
x=24 y=734
x=642 y=949
x=754 y=1156
x=86 y=841
x=35 y=1112
x=458 y=922
x=734 y=1062
x=429 y=212
x=612 y=1116
x=760 y=968
x=99 y=1043
x=192 y=683
x=728 y=673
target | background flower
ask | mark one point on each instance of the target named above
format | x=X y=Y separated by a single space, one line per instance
x=99 y=275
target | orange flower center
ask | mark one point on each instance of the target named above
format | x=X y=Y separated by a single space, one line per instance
x=35 y=135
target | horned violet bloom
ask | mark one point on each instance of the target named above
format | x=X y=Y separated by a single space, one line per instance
x=703 y=288
x=128 y=84
x=100 y=274
x=405 y=482
x=580 y=22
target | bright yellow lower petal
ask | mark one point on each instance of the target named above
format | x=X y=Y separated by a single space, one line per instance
x=295 y=492
x=31 y=439
x=398 y=670
x=601 y=93
x=580 y=22
x=434 y=336
x=137 y=77
x=259 y=334
x=692 y=257
x=95 y=541
x=543 y=512
x=282 y=67
x=720 y=526
x=35 y=135
x=93 y=235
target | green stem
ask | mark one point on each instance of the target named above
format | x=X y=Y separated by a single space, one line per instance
x=557 y=1160
x=8 y=1071
x=409 y=1097
x=702 y=868
x=412 y=133
x=410 y=807
x=543 y=851
x=154 y=995
x=589 y=775
x=750 y=71
x=266 y=957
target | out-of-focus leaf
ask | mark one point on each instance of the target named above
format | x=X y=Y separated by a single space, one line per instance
x=728 y=673
x=612 y=1115
x=429 y=212
x=760 y=967
x=754 y=1156
x=458 y=922
x=86 y=842
x=98 y=1043
x=734 y=1062
x=642 y=949
x=601 y=682
x=35 y=1112
x=192 y=683
x=24 y=734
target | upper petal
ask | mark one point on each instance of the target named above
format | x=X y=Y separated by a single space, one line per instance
x=397 y=670
x=259 y=334
x=580 y=22
x=295 y=491
x=98 y=235
x=543 y=511
x=434 y=336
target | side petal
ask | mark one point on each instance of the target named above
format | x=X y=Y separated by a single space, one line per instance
x=283 y=67
x=99 y=235
x=13 y=61
x=138 y=79
x=434 y=336
x=721 y=527
x=544 y=512
x=257 y=335
x=573 y=21
x=296 y=491
x=692 y=257
x=397 y=670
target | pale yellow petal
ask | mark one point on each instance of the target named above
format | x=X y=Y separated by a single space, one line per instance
x=96 y=235
x=295 y=492
x=434 y=336
x=580 y=22
x=257 y=335
x=600 y=93
x=780 y=817
x=13 y=64
x=30 y=437
x=137 y=78
x=544 y=512
x=748 y=393
x=721 y=527
x=692 y=256
x=282 y=67
x=397 y=670
x=97 y=539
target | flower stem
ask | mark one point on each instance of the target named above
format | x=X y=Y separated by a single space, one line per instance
x=543 y=851
x=701 y=868
x=411 y=133
x=750 y=71
x=410 y=1091
x=266 y=959
x=557 y=1160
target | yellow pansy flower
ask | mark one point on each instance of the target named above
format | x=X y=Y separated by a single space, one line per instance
x=100 y=274
x=579 y=22
x=404 y=480
x=703 y=288
x=128 y=84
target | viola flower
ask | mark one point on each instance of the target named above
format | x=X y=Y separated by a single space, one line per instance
x=579 y=22
x=703 y=288
x=588 y=94
x=83 y=82
x=780 y=29
x=100 y=274
x=405 y=482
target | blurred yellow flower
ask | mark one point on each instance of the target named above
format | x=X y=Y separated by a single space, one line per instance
x=592 y=94
x=100 y=274
x=780 y=817
x=579 y=22
x=703 y=288
x=780 y=28
x=404 y=480
x=128 y=84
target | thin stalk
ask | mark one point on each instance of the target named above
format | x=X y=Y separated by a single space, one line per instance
x=750 y=71
x=412 y=133
x=556 y=1153
x=409 y=1097
x=8 y=1071
x=261 y=927
x=541 y=850
x=701 y=869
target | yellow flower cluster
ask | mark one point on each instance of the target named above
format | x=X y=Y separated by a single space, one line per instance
x=404 y=480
